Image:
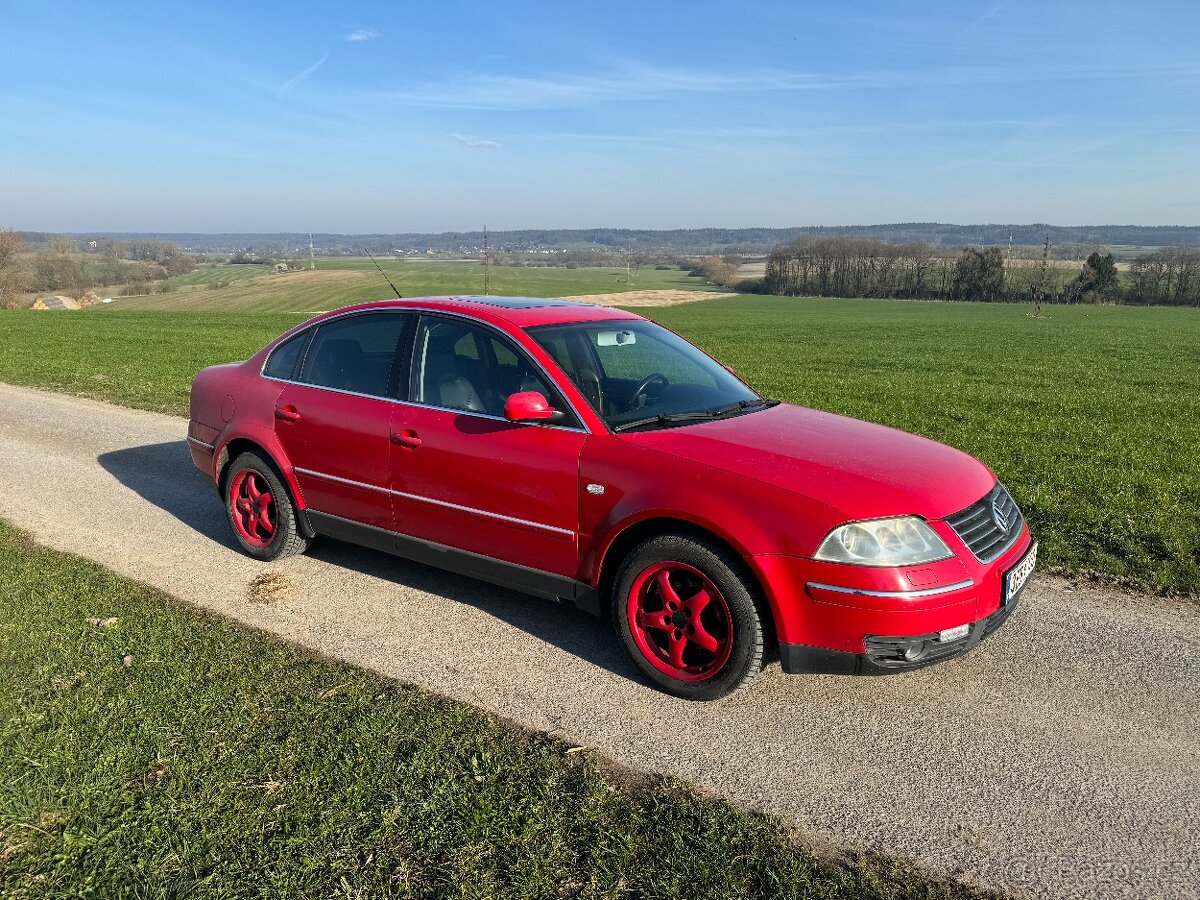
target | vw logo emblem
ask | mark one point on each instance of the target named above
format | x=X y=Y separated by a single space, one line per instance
x=999 y=516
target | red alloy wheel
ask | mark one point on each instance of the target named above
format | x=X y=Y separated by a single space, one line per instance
x=680 y=621
x=252 y=508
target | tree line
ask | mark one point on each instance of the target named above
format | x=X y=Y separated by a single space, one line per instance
x=854 y=266
x=61 y=265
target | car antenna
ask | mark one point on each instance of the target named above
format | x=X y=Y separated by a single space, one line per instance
x=399 y=296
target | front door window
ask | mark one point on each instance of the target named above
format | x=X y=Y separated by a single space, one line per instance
x=460 y=366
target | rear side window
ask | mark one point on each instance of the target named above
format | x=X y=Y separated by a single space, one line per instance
x=284 y=358
x=355 y=354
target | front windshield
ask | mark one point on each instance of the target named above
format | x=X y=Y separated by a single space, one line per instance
x=637 y=374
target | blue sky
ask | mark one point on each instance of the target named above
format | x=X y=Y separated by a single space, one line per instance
x=357 y=117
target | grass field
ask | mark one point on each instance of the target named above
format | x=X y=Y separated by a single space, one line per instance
x=149 y=750
x=206 y=275
x=337 y=283
x=1090 y=415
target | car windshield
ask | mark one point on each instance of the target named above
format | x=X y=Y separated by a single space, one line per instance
x=637 y=374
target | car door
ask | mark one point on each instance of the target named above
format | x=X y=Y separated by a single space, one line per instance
x=333 y=418
x=468 y=478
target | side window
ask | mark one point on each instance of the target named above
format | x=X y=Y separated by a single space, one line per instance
x=555 y=344
x=568 y=348
x=355 y=353
x=457 y=365
x=283 y=359
x=514 y=373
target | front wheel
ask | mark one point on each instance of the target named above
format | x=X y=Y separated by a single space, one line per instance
x=686 y=611
x=261 y=510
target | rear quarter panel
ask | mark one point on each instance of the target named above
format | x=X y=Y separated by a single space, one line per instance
x=233 y=402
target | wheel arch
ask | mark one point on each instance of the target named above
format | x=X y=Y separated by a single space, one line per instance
x=243 y=443
x=634 y=533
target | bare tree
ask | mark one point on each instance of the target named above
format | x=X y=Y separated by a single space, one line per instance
x=59 y=267
x=1042 y=281
x=719 y=271
x=1170 y=276
x=13 y=278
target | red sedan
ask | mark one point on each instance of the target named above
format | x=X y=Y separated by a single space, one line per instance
x=584 y=453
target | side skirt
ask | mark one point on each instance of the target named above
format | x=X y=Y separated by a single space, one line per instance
x=474 y=565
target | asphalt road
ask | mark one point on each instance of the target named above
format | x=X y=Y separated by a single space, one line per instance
x=1061 y=758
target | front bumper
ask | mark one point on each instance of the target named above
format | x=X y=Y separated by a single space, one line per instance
x=856 y=620
x=884 y=655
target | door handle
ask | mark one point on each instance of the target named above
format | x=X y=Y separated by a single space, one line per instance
x=287 y=413
x=406 y=438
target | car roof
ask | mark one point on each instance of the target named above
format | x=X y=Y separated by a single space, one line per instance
x=523 y=312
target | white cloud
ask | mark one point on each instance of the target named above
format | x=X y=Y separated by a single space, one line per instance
x=361 y=34
x=490 y=91
x=290 y=85
x=475 y=143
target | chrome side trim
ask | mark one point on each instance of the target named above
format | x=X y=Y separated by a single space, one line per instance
x=340 y=480
x=583 y=426
x=443 y=503
x=200 y=443
x=483 y=512
x=902 y=595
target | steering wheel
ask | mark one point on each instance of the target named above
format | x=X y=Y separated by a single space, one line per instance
x=644 y=386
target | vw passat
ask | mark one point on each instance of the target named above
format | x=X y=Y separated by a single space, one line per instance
x=584 y=453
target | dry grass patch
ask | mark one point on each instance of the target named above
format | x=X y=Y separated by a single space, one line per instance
x=270 y=587
x=647 y=298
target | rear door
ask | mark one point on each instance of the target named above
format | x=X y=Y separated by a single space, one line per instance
x=464 y=475
x=334 y=417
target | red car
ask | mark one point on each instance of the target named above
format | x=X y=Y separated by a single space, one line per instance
x=584 y=453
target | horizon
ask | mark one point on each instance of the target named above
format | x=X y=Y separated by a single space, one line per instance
x=223 y=119
x=633 y=228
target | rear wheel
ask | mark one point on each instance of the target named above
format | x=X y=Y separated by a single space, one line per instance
x=261 y=510
x=687 y=613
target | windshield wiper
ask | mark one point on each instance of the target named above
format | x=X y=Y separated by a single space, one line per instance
x=741 y=405
x=666 y=418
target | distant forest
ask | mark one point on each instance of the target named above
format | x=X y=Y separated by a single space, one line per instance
x=691 y=241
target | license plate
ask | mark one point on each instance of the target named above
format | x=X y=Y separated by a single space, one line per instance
x=1016 y=577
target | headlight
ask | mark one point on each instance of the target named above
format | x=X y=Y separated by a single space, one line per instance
x=903 y=541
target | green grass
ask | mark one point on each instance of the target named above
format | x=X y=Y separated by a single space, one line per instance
x=145 y=360
x=222 y=763
x=1090 y=415
x=205 y=275
x=336 y=283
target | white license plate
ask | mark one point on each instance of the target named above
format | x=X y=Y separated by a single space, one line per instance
x=1018 y=575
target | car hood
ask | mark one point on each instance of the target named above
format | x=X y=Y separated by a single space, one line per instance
x=859 y=468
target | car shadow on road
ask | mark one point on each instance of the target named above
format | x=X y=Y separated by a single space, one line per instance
x=162 y=474
x=560 y=624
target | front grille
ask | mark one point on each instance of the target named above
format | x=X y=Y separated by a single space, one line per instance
x=979 y=528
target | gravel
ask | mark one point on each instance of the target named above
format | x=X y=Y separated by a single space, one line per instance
x=1060 y=759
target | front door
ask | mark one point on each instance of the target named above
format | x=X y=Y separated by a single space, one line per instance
x=334 y=419
x=463 y=475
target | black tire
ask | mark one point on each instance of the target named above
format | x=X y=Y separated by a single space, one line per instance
x=287 y=537
x=724 y=570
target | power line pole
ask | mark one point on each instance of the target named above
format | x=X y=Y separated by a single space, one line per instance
x=487 y=265
x=312 y=259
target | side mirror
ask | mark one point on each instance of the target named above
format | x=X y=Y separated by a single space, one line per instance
x=530 y=406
